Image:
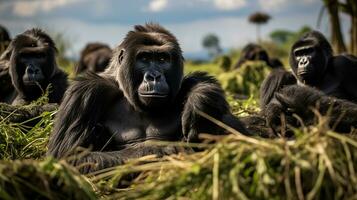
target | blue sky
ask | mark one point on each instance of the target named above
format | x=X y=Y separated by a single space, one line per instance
x=109 y=20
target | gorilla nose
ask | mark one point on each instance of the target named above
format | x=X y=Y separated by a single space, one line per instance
x=32 y=70
x=152 y=76
x=304 y=61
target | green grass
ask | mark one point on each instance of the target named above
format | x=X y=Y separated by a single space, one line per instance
x=318 y=164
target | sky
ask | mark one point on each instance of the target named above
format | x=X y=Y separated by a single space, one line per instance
x=108 y=21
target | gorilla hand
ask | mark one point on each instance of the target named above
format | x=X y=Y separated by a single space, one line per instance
x=290 y=102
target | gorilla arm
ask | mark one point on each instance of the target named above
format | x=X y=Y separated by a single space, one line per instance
x=203 y=94
x=347 y=69
x=276 y=80
x=301 y=99
x=78 y=119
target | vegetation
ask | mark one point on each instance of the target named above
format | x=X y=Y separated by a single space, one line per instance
x=211 y=43
x=318 y=164
x=259 y=18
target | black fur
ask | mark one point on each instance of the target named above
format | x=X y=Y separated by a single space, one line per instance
x=107 y=112
x=95 y=57
x=4 y=39
x=36 y=43
x=7 y=90
x=321 y=78
x=255 y=52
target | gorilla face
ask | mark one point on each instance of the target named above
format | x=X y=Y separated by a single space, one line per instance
x=309 y=58
x=150 y=67
x=32 y=66
x=153 y=89
x=32 y=62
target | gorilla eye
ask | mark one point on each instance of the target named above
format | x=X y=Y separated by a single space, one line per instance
x=304 y=51
x=163 y=57
x=144 y=57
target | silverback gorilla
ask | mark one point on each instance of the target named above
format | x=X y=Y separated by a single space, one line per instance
x=317 y=77
x=30 y=60
x=95 y=57
x=141 y=96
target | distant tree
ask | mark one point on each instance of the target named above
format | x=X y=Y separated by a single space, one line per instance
x=303 y=30
x=281 y=36
x=287 y=37
x=211 y=43
x=337 y=41
x=349 y=7
x=64 y=45
x=259 y=18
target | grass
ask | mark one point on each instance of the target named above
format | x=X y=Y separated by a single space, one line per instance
x=317 y=164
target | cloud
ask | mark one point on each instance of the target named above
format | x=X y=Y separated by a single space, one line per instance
x=229 y=4
x=309 y=1
x=30 y=8
x=157 y=5
x=273 y=4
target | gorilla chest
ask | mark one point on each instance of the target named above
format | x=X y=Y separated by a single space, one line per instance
x=127 y=125
x=331 y=85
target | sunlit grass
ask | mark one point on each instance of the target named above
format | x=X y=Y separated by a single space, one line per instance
x=317 y=164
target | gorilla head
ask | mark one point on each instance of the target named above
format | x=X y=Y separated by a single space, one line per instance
x=95 y=57
x=150 y=67
x=30 y=58
x=255 y=52
x=309 y=57
x=31 y=62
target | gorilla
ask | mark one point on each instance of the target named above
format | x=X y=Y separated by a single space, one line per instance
x=4 y=39
x=254 y=52
x=31 y=64
x=142 y=96
x=6 y=87
x=317 y=79
x=7 y=90
x=95 y=57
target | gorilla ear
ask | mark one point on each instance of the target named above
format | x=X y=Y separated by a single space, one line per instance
x=121 y=56
x=6 y=54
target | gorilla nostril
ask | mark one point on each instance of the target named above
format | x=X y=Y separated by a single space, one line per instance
x=149 y=77
x=152 y=76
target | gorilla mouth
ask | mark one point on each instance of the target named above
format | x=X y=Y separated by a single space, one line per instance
x=32 y=83
x=303 y=72
x=153 y=95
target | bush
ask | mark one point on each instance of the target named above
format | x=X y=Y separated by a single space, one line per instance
x=246 y=80
x=225 y=63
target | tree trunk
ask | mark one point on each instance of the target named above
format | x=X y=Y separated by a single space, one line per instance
x=336 y=34
x=354 y=35
x=352 y=5
x=258 y=34
x=350 y=8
